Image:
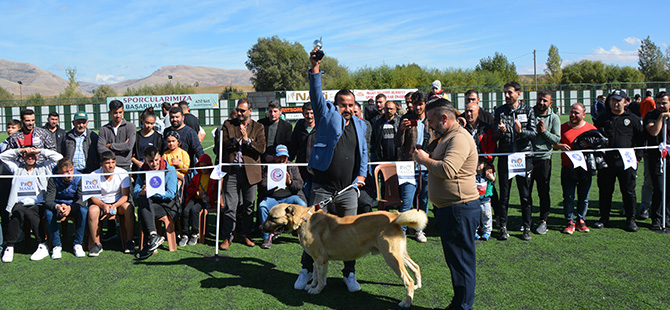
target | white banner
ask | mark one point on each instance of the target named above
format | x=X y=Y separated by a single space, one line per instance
x=276 y=176
x=629 y=159
x=155 y=183
x=516 y=165
x=405 y=172
x=217 y=174
x=577 y=158
x=27 y=189
x=90 y=186
x=398 y=94
x=195 y=101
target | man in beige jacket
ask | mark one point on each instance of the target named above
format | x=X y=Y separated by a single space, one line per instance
x=452 y=190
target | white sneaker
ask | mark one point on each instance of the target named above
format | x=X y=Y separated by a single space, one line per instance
x=41 y=252
x=421 y=237
x=352 y=284
x=57 y=252
x=304 y=277
x=8 y=255
x=79 y=251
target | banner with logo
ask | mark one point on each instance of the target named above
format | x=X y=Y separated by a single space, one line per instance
x=577 y=158
x=276 y=176
x=397 y=94
x=90 y=186
x=516 y=165
x=27 y=189
x=195 y=101
x=405 y=172
x=217 y=173
x=155 y=183
x=629 y=159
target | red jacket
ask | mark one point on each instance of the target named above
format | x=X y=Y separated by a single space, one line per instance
x=193 y=186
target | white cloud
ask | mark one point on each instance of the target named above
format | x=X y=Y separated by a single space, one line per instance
x=108 y=79
x=633 y=40
x=613 y=55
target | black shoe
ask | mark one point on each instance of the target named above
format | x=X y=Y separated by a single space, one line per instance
x=526 y=235
x=503 y=234
x=631 y=225
x=656 y=224
x=154 y=242
x=644 y=214
x=601 y=223
x=95 y=250
x=145 y=253
x=130 y=247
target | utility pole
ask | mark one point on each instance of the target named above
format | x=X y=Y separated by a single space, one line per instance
x=535 y=67
x=20 y=89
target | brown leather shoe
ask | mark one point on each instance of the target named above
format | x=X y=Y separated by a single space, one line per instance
x=225 y=244
x=246 y=241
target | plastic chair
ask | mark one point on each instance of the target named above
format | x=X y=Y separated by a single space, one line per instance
x=391 y=192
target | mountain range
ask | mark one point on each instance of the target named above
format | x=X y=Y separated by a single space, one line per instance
x=38 y=80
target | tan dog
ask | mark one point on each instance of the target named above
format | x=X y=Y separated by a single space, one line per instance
x=328 y=237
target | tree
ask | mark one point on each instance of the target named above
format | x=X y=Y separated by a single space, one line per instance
x=36 y=99
x=554 y=62
x=277 y=65
x=334 y=75
x=5 y=95
x=499 y=65
x=104 y=91
x=651 y=60
x=72 y=88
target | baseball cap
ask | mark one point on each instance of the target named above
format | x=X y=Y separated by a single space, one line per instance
x=436 y=84
x=619 y=94
x=281 y=150
x=80 y=115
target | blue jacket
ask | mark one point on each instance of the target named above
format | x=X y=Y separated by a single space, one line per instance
x=170 y=185
x=329 y=128
x=61 y=192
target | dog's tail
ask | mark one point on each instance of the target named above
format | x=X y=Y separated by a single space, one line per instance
x=412 y=218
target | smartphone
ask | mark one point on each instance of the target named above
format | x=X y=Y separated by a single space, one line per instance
x=412 y=123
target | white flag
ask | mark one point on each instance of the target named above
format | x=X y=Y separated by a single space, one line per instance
x=217 y=174
x=516 y=165
x=276 y=176
x=405 y=172
x=577 y=158
x=629 y=159
x=155 y=183
x=90 y=186
x=27 y=189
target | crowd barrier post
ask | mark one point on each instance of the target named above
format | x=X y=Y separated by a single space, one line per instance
x=216 y=257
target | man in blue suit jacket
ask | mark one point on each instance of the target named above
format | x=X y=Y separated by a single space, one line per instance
x=339 y=158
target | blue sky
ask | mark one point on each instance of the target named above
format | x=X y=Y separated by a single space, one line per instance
x=110 y=41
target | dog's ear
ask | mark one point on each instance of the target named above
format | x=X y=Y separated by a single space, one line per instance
x=290 y=210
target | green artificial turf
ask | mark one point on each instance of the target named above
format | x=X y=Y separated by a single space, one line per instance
x=604 y=269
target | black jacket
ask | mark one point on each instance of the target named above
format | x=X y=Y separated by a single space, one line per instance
x=511 y=141
x=58 y=136
x=90 y=149
x=622 y=131
x=301 y=147
x=283 y=135
x=157 y=142
x=377 y=136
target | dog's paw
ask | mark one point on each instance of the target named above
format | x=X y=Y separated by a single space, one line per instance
x=403 y=304
x=314 y=291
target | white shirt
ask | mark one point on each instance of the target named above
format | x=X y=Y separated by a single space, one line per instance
x=111 y=189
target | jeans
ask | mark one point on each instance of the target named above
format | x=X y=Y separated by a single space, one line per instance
x=52 y=217
x=486 y=224
x=571 y=180
x=239 y=198
x=457 y=225
x=342 y=205
x=268 y=202
x=541 y=175
x=408 y=193
x=522 y=184
x=606 y=179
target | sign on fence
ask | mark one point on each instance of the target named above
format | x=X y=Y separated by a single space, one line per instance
x=195 y=101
